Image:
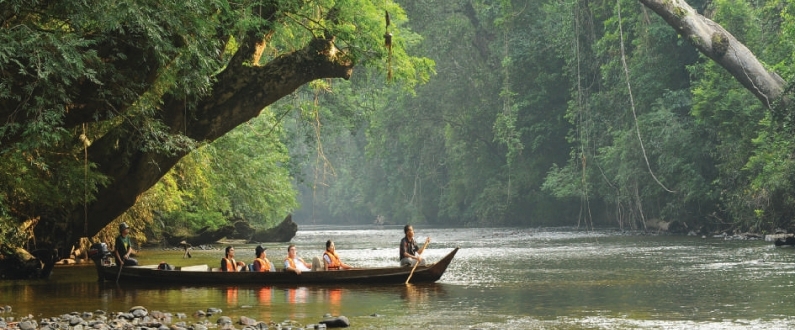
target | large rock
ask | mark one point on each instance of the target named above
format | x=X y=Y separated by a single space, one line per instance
x=203 y=237
x=675 y=226
x=243 y=230
x=284 y=232
x=335 y=322
x=18 y=263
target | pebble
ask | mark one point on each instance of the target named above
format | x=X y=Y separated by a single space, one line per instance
x=26 y=325
x=139 y=311
x=139 y=318
x=224 y=321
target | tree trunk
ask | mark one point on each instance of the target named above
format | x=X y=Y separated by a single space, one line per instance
x=718 y=44
x=240 y=93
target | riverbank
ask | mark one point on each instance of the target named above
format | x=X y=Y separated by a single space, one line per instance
x=139 y=317
x=502 y=278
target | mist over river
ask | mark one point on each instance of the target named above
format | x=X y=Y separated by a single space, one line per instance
x=502 y=278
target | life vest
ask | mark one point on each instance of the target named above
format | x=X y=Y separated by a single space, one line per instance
x=335 y=262
x=264 y=265
x=291 y=262
x=231 y=265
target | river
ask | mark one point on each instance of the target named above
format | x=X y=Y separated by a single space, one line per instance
x=502 y=278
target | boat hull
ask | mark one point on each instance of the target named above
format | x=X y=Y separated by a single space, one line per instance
x=189 y=275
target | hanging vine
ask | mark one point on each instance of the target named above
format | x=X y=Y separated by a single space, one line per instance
x=632 y=101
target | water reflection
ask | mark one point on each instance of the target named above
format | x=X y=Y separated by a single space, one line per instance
x=413 y=294
x=265 y=298
x=334 y=298
x=231 y=295
x=296 y=295
x=265 y=295
x=553 y=279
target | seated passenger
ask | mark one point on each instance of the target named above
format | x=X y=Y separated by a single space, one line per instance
x=295 y=264
x=261 y=263
x=331 y=261
x=228 y=263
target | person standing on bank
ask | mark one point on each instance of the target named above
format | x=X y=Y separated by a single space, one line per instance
x=228 y=263
x=261 y=263
x=123 y=247
x=409 y=252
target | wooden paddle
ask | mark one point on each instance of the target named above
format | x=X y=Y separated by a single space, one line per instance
x=119 y=274
x=427 y=240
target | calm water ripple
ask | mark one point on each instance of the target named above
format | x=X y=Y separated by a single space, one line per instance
x=502 y=278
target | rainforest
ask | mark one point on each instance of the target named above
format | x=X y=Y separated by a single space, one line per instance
x=173 y=117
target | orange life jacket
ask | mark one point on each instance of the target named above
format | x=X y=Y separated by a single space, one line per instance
x=231 y=265
x=335 y=260
x=264 y=265
x=291 y=261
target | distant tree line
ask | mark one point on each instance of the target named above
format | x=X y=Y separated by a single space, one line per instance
x=175 y=117
x=547 y=113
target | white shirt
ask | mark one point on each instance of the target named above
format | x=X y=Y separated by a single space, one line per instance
x=298 y=265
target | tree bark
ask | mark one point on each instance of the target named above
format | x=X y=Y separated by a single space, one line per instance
x=715 y=42
x=240 y=93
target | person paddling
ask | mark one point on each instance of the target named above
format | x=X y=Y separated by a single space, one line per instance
x=123 y=247
x=409 y=252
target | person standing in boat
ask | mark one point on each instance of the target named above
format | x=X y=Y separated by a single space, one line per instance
x=261 y=263
x=228 y=263
x=294 y=263
x=331 y=261
x=409 y=252
x=123 y=247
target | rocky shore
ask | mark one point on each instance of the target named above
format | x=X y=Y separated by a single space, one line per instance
x=139 y=318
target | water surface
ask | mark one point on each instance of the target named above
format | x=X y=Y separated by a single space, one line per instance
x=506 y=278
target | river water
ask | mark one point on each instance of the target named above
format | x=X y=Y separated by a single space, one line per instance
x=502 y=278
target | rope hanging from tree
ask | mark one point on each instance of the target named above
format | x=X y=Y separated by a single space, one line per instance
x=86 y=143
x=388 y=45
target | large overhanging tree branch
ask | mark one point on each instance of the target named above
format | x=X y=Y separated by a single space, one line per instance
x=239 y=94
x=148 y=82
x=719 y=45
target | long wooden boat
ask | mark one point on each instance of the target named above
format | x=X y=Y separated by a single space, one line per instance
x=203 y=274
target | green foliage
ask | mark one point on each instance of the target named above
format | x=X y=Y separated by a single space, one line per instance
x=11 y=232
x=242 y=175
x=531 y=112
x=453 y=153
x=517 y=111
x=123 y=60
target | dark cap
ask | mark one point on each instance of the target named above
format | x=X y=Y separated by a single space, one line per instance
x=123 y=226
x=259 y=249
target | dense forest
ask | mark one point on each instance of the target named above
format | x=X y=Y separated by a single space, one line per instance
x=547 y=113
x=175 y=117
